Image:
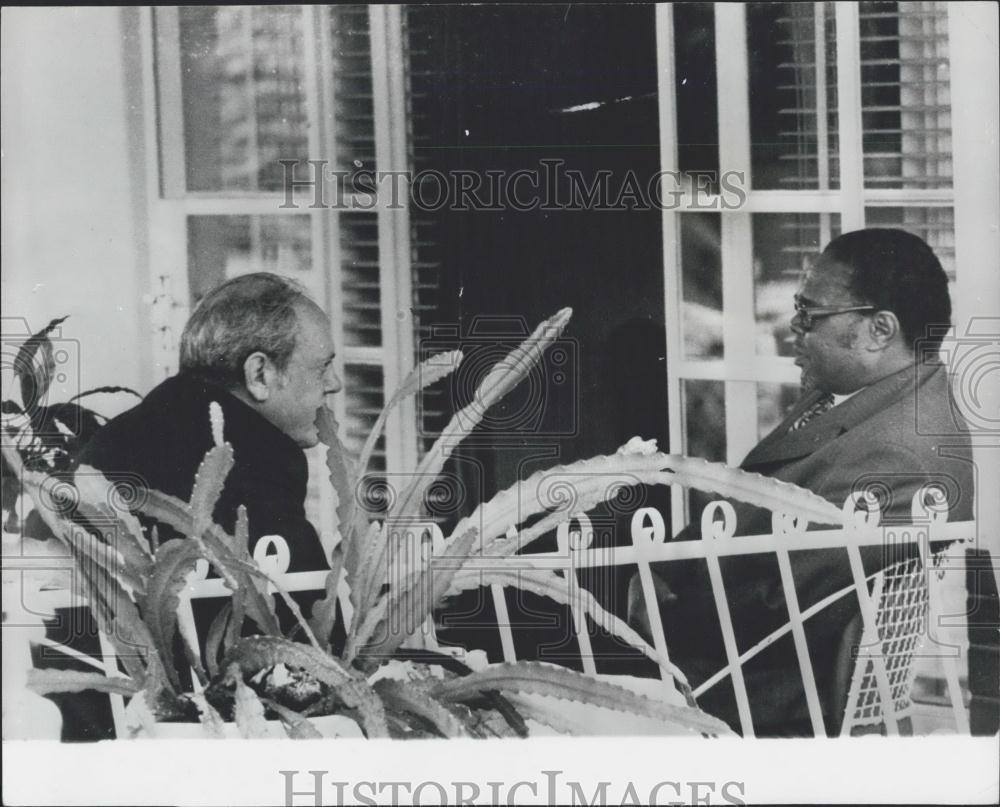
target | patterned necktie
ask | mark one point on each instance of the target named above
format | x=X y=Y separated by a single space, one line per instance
x=824 y=404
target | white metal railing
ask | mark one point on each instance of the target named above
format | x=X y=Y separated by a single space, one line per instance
x=928 y=526
x=648 y=546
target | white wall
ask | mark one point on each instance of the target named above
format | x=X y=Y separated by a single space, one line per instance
x=975 y=31
x=71 y=240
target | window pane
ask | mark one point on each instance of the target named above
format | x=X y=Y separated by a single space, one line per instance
x=243 y=94
x=774 y=402
x=697 y=88
x=936 y=225
x=701 y=285
x=704 y=431
x=784 y=245
x=221 y=247
x=906 y=108
x=793 y=96
x=705 y=419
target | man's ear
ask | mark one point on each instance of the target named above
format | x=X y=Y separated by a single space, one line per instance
x=259 y=376
x=884 y=329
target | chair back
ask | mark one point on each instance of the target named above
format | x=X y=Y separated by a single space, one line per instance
x=901 y=594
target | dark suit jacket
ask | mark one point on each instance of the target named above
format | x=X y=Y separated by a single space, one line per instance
x=901 y=432
x=164 y=439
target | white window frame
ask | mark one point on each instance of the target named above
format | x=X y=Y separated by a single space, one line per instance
x=169 y=203
x=742 y=369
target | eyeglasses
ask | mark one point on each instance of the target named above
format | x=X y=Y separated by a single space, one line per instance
x=807 y=315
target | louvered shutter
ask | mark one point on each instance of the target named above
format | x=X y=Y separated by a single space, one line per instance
x=906 y=117
x=357 y=236
x=905 y=104
x=239 y=90
x=426 y=259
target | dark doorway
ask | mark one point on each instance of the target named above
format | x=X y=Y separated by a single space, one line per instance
x=491 y=89
x=515 y=88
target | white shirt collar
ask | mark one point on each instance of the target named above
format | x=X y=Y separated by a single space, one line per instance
x=839 y=399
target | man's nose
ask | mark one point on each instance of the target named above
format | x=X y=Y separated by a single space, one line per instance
x=796 y=324
x=332 y=383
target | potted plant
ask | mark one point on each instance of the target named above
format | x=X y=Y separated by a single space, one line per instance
x=372 y=678
x=47 y=435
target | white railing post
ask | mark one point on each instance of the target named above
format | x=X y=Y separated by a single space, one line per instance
x=503 y=614
x=936 y=515
x=644 y=539
x=569 y=544
x=712 y=531
x=783 y=525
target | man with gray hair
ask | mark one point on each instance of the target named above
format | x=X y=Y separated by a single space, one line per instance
x=261 y=349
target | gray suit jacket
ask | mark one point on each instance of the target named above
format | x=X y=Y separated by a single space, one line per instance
x=898 y=434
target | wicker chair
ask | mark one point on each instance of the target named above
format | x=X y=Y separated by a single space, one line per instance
x=901 y=594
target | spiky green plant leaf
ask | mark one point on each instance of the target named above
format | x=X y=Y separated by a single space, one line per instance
x=98 y=493
x=175 y=560
x=82 y=544
x=488 y=724
x=209 y=718
x=324 y=611
x=363 y=629
x=577 y=721
x=409 y=606
x=566 y=490
x=87 y=547
x=504 y=376
x=140 y=721
x=296 y=726
x=215 y=547
x=209 y=480
x=175 y=513
x=358 y=695
x=215 y=638
x=554 y=719
x=343 y=476
x=241 y=549
x=401 y=697
x=120 y=557
x=367 y=583
x=253 y=595
x=510 y=371
x=752 y=488
x=428 y=372
x=46 y=682
x=540 y=678
x=546 y=583
x=249 y=712
x=256 y=653
x=113 y=610
x=119 y=619
x=344 y=480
